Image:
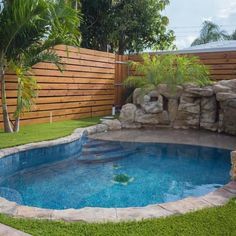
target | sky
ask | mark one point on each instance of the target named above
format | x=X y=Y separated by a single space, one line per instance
x=186 y=17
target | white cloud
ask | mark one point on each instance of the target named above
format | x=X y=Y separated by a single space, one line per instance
x=207 y=18
x=185 y=42
x=228 y=10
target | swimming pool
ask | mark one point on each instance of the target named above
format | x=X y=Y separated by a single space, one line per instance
x=97 y=173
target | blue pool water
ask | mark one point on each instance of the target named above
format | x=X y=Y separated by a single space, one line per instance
x=82 y=174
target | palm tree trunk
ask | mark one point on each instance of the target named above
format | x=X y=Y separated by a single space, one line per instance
x=17 y=124
x=6 y=119
x=18 y=107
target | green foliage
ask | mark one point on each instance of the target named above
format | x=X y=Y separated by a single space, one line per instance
x=29 y=30
x=127 y=26
x=210 y=32
x=40 y=24
x=213 y=221
x=172 y=70
x=233 y=35
x=43 y=132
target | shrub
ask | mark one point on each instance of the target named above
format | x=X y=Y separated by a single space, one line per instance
x=172 y=70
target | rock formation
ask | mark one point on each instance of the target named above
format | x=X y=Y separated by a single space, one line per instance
x=188 y=106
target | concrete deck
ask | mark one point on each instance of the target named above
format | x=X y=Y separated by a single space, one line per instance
x=8 y=231
x=192 y=137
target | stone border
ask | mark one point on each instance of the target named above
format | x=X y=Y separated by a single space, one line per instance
x=96 y=214
x=9 y=231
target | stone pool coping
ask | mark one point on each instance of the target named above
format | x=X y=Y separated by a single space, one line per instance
x=95 y=214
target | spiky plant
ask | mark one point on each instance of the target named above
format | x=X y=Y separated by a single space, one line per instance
x=172 y=70
x=29 y=29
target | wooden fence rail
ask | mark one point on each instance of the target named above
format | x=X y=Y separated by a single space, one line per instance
x=92 y=82
x=222 y=64
x=84 y=89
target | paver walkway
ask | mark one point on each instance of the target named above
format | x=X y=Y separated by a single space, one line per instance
x=8 y=231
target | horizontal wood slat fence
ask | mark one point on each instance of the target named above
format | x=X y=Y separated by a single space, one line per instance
x=92 y=82
x=84 y=89
x=222 y=64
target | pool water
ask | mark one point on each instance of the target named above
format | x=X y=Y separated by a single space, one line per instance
x=83 y=174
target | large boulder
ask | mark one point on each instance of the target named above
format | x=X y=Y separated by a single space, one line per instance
x=188 y=115
x=194 y=91
x=228 y=117
x=222 y=96
x=127 y=113
x=208 y=115
x=144 y=118
x=127 y=125
x=153 y=119
x=173 y=105
x=169 y=92
x=225 y=91
x=233 y=166
x=152 y=104
x=226 y=85
x=137 y=96
x=112 y=124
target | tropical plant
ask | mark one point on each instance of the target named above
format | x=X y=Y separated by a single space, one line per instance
x=172 y=70
x=233 y=35
x=210 y=32
x=127 y=26
x=29 y=30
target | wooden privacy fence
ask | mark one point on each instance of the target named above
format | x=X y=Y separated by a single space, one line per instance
x=84 y=89
x=222 y=64
x=92 y=82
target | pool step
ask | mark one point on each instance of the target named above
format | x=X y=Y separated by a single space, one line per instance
x=101 y=146
x=101 y=150
x=105 y=157
x=91 y=151
x=94 y=143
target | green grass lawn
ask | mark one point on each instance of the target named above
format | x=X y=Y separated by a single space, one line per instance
x=213 y=221
x=40 y=132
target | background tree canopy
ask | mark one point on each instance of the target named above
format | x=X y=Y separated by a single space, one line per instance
x=125 y=25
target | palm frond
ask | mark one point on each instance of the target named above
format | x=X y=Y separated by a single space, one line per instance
x=172 y=70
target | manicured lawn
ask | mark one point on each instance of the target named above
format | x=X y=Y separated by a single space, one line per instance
x=214 y=221
x=40 y=132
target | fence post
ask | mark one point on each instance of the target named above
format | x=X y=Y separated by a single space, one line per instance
x=121 y=73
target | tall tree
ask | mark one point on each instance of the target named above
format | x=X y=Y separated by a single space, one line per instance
x=28 y=30
x=210 y=32
x=125 y=25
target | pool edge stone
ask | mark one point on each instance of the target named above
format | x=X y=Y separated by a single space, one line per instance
x=218 y=197
x=186 y=205
x=86 y=214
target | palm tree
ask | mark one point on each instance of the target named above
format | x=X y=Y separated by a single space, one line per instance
x=210 y=32
x=28 y=31
x=233 y=35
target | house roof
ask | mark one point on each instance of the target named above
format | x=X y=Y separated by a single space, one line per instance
x=219 y=46
x=214 y=45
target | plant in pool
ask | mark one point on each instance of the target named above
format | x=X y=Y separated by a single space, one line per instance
x=122 y=179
